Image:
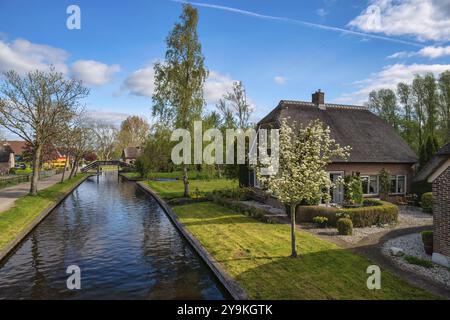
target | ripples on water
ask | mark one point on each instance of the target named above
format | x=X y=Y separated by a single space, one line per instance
x=121 y=239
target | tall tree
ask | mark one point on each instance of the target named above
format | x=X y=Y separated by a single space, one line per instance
x=133 y=132
x=303 y=155
x=178 y=99
x=407 y=122
x=36 y=106
x=238 y=100
x=444 y=105
x=384 y=103
x=105 y=139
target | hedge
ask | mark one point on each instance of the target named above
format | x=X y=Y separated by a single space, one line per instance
x=373 y=213
x=426 y=202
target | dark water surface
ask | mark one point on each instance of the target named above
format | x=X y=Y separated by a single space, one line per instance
x=123 y=242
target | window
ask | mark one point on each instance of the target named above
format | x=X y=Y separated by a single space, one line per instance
x=398 y=184
x=370 y=184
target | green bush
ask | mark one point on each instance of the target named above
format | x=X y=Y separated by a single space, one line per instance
x=353 y=192
x=238 y=193
x=345 y=226
x=427 y=238
x=322 y=221
x=426 y=202
x=419 y=262
x=376 y=212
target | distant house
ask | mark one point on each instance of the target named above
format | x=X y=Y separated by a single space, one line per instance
x=130 y=154
x=375 y=144
x=18 y=147
x=7 y=160
x=437 y=172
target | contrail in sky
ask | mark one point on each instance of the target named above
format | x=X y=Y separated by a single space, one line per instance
x=297 y=22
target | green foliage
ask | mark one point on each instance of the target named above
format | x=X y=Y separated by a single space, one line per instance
x=353 y=192
x=376 y=213
x=322 y=221
x=427 y=237
x=241 y=194
x=385 y=181
x=420 y=262
x=426 y=202
x=345 y=226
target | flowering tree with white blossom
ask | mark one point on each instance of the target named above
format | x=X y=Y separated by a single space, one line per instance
x=301 y=177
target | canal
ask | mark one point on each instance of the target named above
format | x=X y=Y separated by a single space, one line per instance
x=123 y=243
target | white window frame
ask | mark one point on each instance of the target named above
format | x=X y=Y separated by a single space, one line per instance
x=342 y=173
x=396 y=184
x=368 y=185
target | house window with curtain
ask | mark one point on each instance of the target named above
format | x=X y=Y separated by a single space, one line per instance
x=370 y=185
x=398 y=184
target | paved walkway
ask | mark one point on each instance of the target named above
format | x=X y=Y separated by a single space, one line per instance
x=9 y=195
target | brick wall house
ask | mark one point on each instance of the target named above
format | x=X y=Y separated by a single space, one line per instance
x=437 y=172
x=375 y=144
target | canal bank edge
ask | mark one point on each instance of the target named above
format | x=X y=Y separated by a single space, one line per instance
x=235 y=290
x=14 y=243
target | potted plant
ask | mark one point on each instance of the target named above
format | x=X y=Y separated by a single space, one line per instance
x=427 y=239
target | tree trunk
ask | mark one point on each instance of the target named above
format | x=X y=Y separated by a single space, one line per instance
x=293 y=238
x=65 y=168
x=219 y=171
x=36 y=168
x=185 y=182
x=76 y=170
x=75 y=161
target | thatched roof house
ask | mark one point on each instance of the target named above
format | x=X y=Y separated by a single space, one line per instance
x=375 y=144
x=130 y=154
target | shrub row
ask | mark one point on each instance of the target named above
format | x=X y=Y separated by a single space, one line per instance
x=253 y=212
x=373 y=212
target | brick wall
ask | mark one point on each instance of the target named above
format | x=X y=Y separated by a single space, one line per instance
x=441 y=213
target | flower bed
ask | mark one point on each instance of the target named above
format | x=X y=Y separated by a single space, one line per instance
x=373 y=212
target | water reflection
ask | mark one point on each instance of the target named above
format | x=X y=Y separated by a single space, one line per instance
x=123 y=242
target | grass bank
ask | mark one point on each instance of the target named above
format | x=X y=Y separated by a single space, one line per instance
x=257 y=256
x=27 y=208
x=175 y=189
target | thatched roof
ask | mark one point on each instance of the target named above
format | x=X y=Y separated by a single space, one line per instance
x=372 y=140
x=435 y=162
x=131 y=152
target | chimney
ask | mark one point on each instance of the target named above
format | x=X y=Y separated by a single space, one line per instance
x=318 y=98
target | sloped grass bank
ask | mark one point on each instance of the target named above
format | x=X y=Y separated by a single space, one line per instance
x=26 y=209
x=256 y=254
x=198 y=188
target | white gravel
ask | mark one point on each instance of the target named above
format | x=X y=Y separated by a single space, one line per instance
x=412 y=245
x=408 y=217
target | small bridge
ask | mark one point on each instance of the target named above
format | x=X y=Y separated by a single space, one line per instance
x=99 y=163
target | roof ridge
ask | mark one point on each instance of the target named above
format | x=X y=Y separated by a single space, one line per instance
x=332 y=105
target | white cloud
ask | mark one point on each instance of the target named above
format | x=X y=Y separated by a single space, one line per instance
x=422 y=19
x=114 y=118
x=321 y=12
x=216 y=86
x=435 y=52
x=141 y=82
x=431 y=52
x=280 y=80
x=23 y=56
x=93 y=73
x=389 y=77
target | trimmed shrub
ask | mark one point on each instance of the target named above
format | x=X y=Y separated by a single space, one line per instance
x=240 y=194
x=322 y=221
x=345 y=227
x=427 y=239
x=376 y=212
x=353 y=192
x=426 y=202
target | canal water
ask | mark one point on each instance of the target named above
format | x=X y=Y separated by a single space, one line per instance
x=123 y=243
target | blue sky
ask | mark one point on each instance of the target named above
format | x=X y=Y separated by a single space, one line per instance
x=279 y=49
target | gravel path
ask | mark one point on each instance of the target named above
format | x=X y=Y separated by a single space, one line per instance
x=412 y=245
x=408 y=217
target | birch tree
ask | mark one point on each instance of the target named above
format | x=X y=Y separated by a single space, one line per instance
x=36 y=107
x=178 y=99
x=304 y=153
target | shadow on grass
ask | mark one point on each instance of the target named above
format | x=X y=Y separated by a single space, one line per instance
x=330 y=274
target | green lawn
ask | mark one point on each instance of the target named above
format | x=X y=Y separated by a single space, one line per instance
x=27 y=208
x=175 y=189
x=257 y=256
